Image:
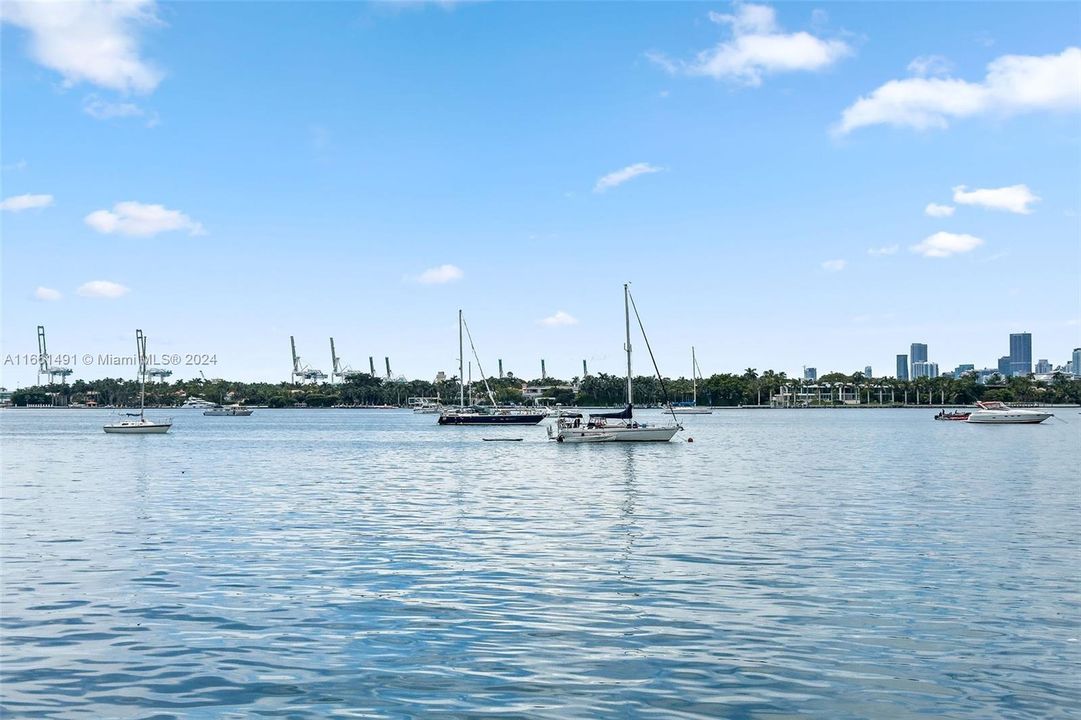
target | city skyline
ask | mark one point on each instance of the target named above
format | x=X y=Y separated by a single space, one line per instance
x=225 y=176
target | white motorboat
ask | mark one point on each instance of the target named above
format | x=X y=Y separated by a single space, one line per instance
x=196 y=403
x=234 y=410
x=614 y=426
x=426 y=405
x=140 y=426
x=997 y=413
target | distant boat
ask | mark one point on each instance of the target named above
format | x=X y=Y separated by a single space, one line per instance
x=955 y=415
x=234 y=410
x=692 y=408
x=196 y=403
x=482 y=415
x=596 y=427
x=140 y=426
x=426 y=405
x=997 y=413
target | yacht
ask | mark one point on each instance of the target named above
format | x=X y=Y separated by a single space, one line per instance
x=997 y=413
x=196 y=403
x=138 y=423
x=234 y=410
x=426 y=405
x=615 y=426
x=482 y=415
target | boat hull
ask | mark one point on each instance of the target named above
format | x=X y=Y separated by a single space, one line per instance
x=692 y=411
x=490 y=419
x=1028 y=418
x=140 y=429
x=614 y=434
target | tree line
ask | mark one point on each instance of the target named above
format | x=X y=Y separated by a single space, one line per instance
x=601 y=390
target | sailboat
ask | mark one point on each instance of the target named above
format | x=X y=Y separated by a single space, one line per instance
x=481 y=414
x=596 y=427
x=692 y=408
x=140 y=425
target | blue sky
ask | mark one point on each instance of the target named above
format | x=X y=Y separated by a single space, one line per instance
x=240 y=172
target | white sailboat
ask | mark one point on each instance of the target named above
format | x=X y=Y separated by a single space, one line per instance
x=614 y=426
x=139 y=424
x=693 y=409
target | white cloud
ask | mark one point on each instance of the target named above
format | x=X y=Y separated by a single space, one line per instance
x=621 y=176
x=101 y=109
x=140 y=220
x=89 y=41
x=102 y=289
x=1015 y=198
x=944 y=244
x=441 y=274
x=18 y=203
x=758 y=47
x=926 y=65
x=47 y=294
x=936 y=210
x=1014 y=84
x=834 y=265
x=19 y=165
x=884 y=250
x=559 y=319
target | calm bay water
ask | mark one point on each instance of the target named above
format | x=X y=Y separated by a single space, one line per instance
x=341 y=563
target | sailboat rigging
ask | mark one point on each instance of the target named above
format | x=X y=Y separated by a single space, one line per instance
x=481 y=414
x=142 y=426
x=596 y=427
x=683 y=408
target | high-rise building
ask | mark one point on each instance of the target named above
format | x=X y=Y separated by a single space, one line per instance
x=917 y=353
x=1043 y=367
x=1076 y=363
x=924 y=370
x=810 y=374
x=962 y=369
x=1004 y=366
x=902 y=367
x=1020 y=353
x=867 y=372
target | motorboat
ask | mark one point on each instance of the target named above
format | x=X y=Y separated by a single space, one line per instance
x=234 y=410
x=483 y=414
x=998 y=413
x=141 y=425
x=426 y=405
x=196 y=403
x=679 y=409
x=953 y=415
x=620 y=426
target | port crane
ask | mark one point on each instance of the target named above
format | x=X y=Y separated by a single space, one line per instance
x=343 y=373
x=44 y=368
x=302 y=371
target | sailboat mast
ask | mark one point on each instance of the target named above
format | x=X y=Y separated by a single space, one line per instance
x=627 y=315
x=461 y=363
x=140 y=346
x=694 y=377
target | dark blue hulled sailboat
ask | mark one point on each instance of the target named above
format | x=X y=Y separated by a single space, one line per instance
x=482 y=415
